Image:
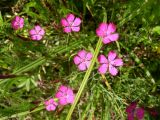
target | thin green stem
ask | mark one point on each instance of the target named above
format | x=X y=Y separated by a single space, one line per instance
x=106 y=82
x=85 y=79
x=34 y=64
x=118 y=46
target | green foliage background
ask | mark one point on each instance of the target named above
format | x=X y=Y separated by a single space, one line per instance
x=34 y=70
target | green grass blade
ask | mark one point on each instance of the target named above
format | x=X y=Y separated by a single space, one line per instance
x=85 y=79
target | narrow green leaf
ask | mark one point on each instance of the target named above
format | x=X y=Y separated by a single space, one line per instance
x=1 y=19
x=85 y=79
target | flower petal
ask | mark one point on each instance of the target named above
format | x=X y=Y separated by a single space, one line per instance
x=103 y=26
x=67 y=29
x=21 y=21
x=101 y=31
x=70 y=99
x=117 y=62
x=36 y=37
x=37 y=28
x=111 y=28
x=46 y=102
x=82 y=66
x=103 y=68
x=111 y=56
x=131 y=107
x=70 y=18
x=77 y=60
x=113 y=37
x=59 y=94
x=139 y=113
x=41 y=32
x=87 y=63
x=130 y=116
x=17 y=18
x=89 y=56
x=76 y=22
x=48 y=108
x=63 y=101
x=105 y=40
x=64 y=22
x=51 y=101
x=75 y=29
x=82 y=54
x=63 y=88
x=102 y=59
x=69 y=91
x=113 y=71
x=32 y=32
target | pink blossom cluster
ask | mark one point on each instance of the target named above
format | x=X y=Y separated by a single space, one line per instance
x=107 y=31
x=36 y=33
x=17 y=22
x=134 y=112
x=63 y=96
x=70 y=23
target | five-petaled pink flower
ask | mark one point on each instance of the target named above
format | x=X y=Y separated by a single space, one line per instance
x=50 y=104
x=71 y=23
x=109 y=64
x=107 y=32
x=37 y=33
x=17 y=22
x=134 y=112
x=83 y=60
x=65 y=95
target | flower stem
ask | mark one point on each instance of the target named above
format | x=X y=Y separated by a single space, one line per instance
x=106 y=82
x=85 y=79
x=118 y=46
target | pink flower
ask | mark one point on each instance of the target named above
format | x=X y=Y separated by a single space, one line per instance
x=83 y=60
x=37 y=33
x=17 y=22
x=109 y=64
x=65 y=95
x=50 y=104
x=139 y=113
x=134 y=112
x=71 y=23
x=107 y=32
